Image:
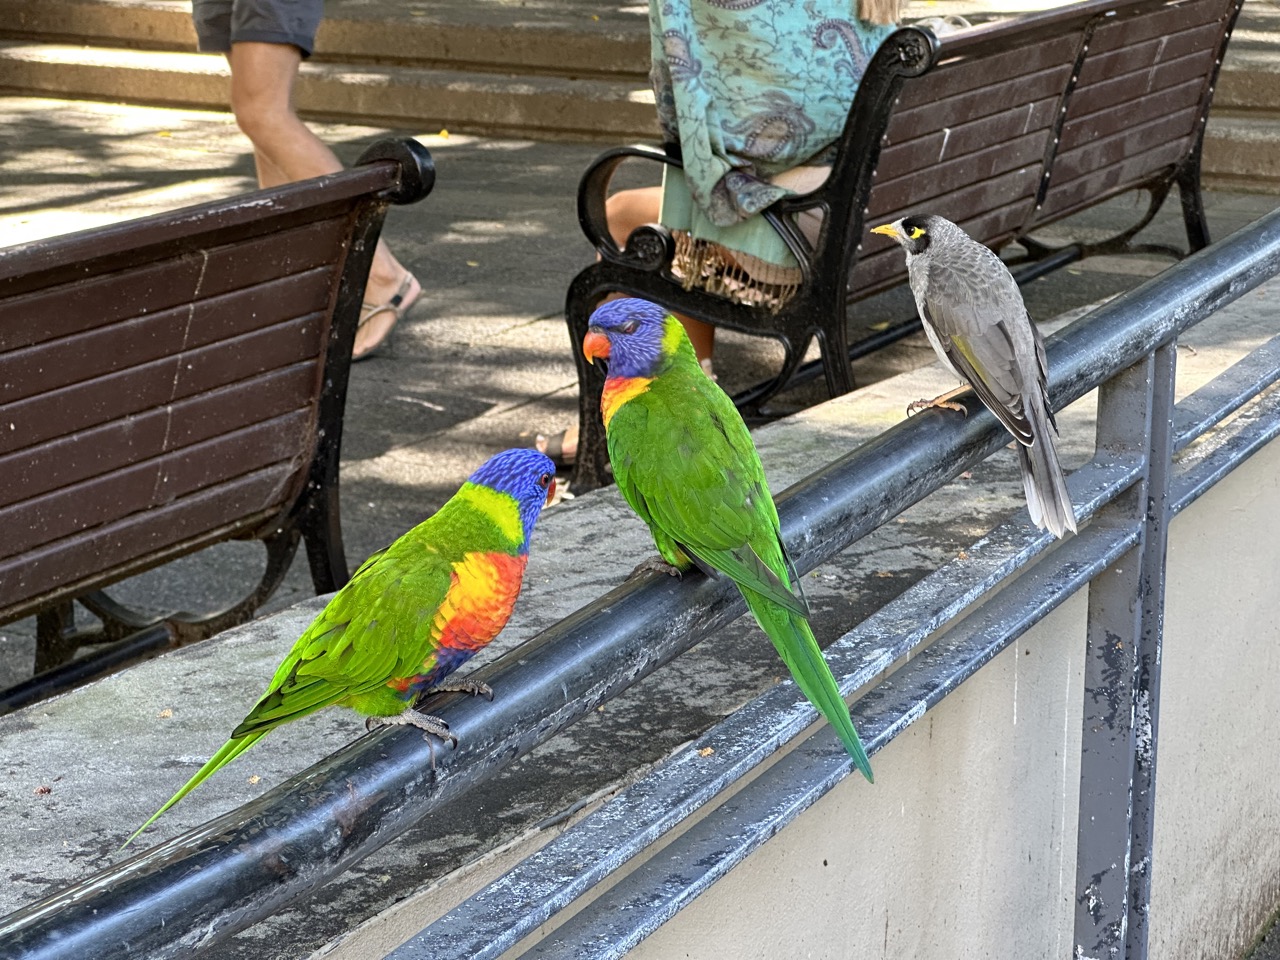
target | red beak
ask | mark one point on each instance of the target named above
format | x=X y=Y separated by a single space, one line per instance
x=595 y=345
x=551 y=490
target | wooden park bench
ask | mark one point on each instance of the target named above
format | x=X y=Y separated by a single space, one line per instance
x=1003 y=128
x=172 y=382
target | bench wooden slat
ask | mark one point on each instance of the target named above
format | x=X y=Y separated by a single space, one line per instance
x=98 y=450
x=1006 y=189
x=87 y=303
x=130 y=392
x=1108 y=94
x=1084 y=130
x=1108 y=151
x=945 y=110
x=1129 y=60
x=1085 y=190
x=1161 y=22
x=148 y=484
x=132 y=244
x=969 y=137
x=940 y=179
x=968 y=74
x=142 y=539
x=100 y=351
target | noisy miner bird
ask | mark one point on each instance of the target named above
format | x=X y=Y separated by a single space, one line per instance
x=974 y=316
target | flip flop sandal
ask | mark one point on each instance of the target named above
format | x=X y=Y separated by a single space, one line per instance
x=553 y=447
x=405 y=297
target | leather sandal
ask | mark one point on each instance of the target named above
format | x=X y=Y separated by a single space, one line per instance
x=405 y=297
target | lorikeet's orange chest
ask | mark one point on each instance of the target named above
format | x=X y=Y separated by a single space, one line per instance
x=617 y=391
x=480 y=599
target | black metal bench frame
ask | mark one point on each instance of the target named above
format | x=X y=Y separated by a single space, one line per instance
x=819 y=309
x=390 y=171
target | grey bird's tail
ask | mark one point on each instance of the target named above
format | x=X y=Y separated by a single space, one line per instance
x=1048 y=501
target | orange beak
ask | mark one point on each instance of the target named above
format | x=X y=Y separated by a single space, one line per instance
x=551 y=490
x=595 y=345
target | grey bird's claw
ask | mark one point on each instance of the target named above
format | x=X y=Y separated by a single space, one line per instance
x=656 y=565
x=937 y=403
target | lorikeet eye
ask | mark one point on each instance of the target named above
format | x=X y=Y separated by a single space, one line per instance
x=544 y=481
x=628 y=327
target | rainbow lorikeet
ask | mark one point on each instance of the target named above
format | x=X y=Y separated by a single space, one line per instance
x=685 y=462
x=411 y=615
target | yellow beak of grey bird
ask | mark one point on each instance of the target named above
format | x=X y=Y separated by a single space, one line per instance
x=973 y=314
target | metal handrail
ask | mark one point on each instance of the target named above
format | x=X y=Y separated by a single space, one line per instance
x=205 y=885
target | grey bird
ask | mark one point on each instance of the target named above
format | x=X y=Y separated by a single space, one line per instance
x=978 y=325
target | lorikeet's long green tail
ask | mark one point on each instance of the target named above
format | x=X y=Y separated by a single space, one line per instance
x=794 y=642
x=230 y=750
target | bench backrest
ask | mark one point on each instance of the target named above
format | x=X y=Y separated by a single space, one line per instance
x=164 y=382
x=1140 y=101
x=1011 y=125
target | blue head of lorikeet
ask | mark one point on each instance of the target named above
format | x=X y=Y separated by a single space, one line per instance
x=525 y=475
x=631 y=334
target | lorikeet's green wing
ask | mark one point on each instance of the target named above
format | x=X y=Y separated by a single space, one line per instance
x=358 y=642
x=379 y=626
x=696 y=480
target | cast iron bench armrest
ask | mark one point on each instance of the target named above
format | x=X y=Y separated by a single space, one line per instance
x=650 y=246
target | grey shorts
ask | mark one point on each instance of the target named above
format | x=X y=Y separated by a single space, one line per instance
x=220 y=23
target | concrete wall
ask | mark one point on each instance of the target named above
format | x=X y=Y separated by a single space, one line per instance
x=1217 y=875
x=965 y=847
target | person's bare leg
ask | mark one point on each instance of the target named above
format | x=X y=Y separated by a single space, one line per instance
x=285 y=150
x=628 y=209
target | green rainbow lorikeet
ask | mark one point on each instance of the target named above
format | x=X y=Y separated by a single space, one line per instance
x=685 y=462
x=412 y=614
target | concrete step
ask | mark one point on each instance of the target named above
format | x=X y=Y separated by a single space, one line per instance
x=567 y=69
x=414 y=97
x=570 y=39
x=1250 y=80
x=1242 y=152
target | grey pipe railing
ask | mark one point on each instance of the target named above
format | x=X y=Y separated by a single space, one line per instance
x=205 y=885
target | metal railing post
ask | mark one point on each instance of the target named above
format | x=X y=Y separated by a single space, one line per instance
x=1155 y=539
x=1135 y=414
x=1106 y=744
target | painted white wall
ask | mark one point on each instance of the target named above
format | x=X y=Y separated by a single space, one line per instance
x=965 y=846
x=1217 y=870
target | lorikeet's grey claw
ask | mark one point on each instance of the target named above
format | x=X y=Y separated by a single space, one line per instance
x=656 y=565
x=473 y=687
x=412 y=718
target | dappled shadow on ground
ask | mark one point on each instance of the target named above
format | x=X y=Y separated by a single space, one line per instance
x=86 y=156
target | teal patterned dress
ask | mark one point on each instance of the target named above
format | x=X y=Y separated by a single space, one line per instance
x=750 y=89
